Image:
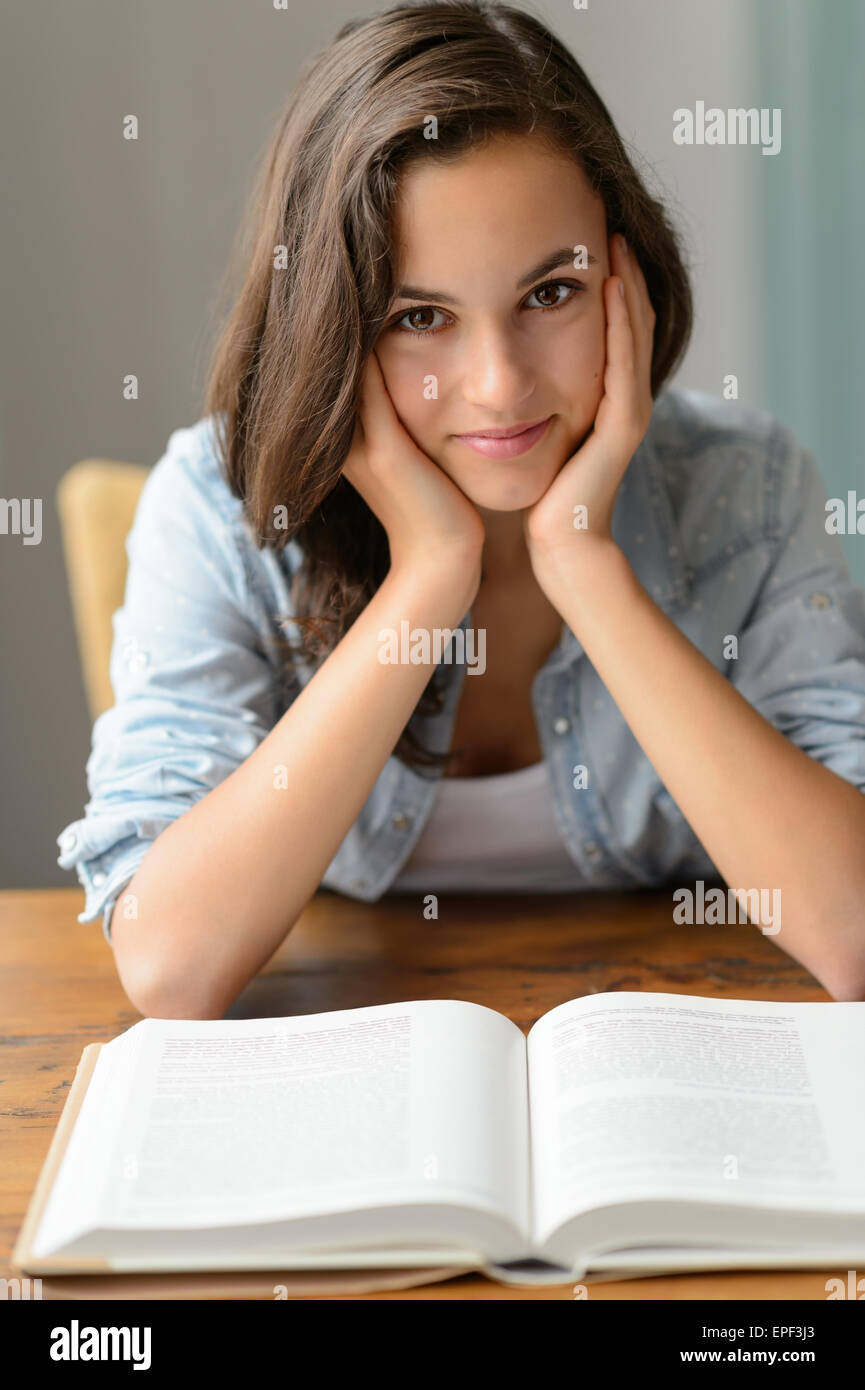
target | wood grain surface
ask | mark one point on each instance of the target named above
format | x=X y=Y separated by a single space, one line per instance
x=520 y=955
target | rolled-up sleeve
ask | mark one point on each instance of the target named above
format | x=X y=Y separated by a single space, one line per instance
x=801 y=657
x=194 y=684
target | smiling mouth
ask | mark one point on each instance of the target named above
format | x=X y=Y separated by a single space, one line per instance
x=508 y=443
x=508 y=433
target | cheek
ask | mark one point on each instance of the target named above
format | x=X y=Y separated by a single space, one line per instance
x=404 y=380
x=577 y=366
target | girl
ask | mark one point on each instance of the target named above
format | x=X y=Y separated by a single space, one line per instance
x=445 y=591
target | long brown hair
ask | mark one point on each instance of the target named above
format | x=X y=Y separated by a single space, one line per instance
x=318 y=270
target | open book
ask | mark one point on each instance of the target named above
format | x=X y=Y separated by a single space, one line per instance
x=625 y=1134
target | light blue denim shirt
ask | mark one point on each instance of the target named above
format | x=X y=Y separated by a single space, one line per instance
x=721 y=514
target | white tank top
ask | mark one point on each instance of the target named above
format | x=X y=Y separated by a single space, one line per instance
x=491 y=835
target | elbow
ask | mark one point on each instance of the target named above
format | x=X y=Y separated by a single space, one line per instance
x=157 y=995
x=845 y=983
x=158 y=992
x=167 y=1002
x=848 y=991
x=161 y=988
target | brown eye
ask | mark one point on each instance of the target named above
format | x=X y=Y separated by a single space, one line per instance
x=552 y=287
x=417 y=329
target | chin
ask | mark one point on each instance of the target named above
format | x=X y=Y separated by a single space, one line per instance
x=512 y=496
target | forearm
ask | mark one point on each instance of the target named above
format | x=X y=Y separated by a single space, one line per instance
x=221 y=886
x=768 y=815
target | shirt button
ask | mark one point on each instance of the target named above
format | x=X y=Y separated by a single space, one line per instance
x=68 y=840
x=98 y=880
x=591 y=850
x=561 y=725
x=400 y=820
x=820 y=600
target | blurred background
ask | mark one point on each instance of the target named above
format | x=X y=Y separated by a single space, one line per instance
x=114 y=253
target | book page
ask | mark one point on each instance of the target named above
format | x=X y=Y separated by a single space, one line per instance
x=665 y=1096
x=215 y=1122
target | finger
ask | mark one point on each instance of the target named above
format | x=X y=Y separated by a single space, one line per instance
x=376 y=407
x=621 y=353
x=640 y=310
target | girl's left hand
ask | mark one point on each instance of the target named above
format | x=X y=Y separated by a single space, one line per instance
x=559 y=535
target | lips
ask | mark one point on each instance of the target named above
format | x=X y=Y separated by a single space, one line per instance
x=506 y=444
x=507 y=433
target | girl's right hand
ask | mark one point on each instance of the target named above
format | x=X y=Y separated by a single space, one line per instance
x=428 y=520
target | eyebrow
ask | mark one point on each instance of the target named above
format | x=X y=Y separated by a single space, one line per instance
x=565 y=255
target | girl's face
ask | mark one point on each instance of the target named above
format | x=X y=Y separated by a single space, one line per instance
x=492 y=325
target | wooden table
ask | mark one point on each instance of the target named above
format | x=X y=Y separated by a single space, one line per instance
x=59 y=990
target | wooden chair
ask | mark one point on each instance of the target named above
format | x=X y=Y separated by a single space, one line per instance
x=96 y=501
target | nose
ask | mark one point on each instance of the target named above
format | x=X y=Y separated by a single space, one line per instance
x=497 y=375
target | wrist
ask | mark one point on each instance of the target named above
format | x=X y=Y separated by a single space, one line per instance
x=591 y=565
x=452 y=575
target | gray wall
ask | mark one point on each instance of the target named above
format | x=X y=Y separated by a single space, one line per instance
x=114 y=252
